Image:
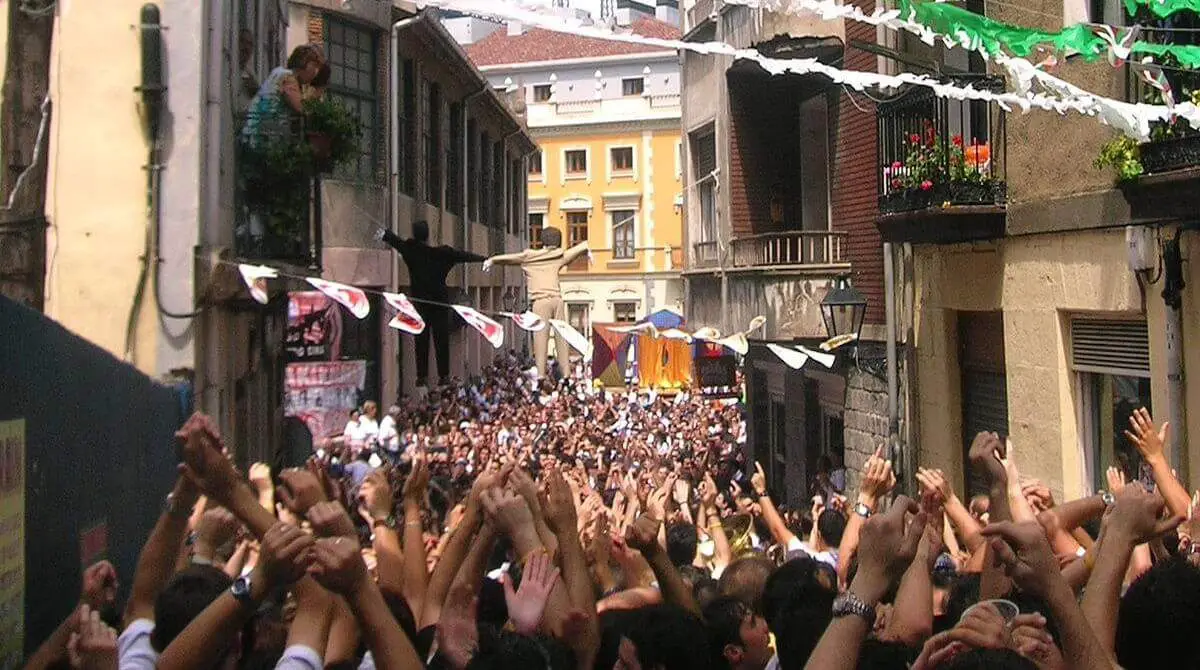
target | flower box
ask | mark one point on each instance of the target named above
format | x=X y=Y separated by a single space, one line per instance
x=1175 y=153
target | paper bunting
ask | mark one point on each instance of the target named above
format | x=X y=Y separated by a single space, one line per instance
x=407 y=318
x=755 y=323
x=1163 y=8
x=256 y=277
x=491 y=330
x=675 y=334
x=792 y=358
x=821 y=357
x=529 y=321
x=642 y=327
x=736 y=342
x=573 y=337
x=349 y=297
x=707 y=334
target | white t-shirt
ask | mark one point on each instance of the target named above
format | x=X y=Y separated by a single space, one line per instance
x=829 y=558
x=388 y=437
x=368 y=428
x=134 y=651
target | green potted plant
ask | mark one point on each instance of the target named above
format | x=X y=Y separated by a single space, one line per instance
x=332 y=133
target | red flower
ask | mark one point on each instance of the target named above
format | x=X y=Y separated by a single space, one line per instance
x=897 y=165
x=914 y=138
x=896 y=184
x=958 y=141
x=926 y=185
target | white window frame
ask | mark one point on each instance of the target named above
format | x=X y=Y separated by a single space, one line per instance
x=640 y=78
x=612 y=234
x=637 y=308
x=539 y=178
x=587 y=315
x=586 y=175
x=533 y=93
x=613 y=173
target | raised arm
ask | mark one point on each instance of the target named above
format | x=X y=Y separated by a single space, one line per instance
x=643 y=536
x=1151 y=441
x=506 y=259
x=575 y=252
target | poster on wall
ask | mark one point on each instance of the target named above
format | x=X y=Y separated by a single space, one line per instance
x=314 y=331
x=716 y=376
x=322 y=394
x=12 y=543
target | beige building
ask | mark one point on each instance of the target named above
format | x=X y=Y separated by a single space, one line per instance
x=157 y=286
x=1036 y=308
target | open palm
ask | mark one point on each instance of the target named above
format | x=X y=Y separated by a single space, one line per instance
x=527 y=603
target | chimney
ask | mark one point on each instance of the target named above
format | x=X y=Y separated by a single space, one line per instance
x=516 y=28
x=667 y=11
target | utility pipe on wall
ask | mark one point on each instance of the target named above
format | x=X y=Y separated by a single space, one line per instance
x=394 y=135
x=1172 y=294
x=893 y=376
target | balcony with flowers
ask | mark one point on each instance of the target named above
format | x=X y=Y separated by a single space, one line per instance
x=942 y=166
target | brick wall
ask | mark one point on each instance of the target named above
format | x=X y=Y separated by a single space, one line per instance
x=855 y=200
x=866 y=422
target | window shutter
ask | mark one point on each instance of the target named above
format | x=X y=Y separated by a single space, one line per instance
x=1110 y=346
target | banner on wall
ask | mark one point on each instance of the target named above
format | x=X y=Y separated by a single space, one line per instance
x=314 y=331
x=322 y=394
x=716 y=376
x=12 y=543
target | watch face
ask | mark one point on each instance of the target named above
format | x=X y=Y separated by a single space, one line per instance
x=241 y=588
x=862 y=510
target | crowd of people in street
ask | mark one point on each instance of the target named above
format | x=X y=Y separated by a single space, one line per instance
x=511 y=522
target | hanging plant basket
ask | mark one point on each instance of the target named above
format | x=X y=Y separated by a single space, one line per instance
x=1175 y=153
x=321 y=145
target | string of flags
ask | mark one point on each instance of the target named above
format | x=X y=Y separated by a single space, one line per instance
x=408 y=319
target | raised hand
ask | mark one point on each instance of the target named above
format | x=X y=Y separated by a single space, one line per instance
x=527 y=603
x=1116 y=480
x=887 y=545
x=934 y=480
x=99 y=586
x=260 y=477
x=643 y=535
x=287 y=552
x=93 y=645
x=299 y=490
x=558 y=505
x=983 y=455
x=417 y=482
x=329 y=519
x=487 y=265
x=338 y=565
x=878 y=479
x=1008 y=459
x=375 y=497
x=708 y=492
x=1038 y=494
x=217 y=527
x=758 y=480
x=204 y=460
x=1149 y=440
x=507 y=511
x=1136 y=515
x=1025 y=553
x=1031 y=640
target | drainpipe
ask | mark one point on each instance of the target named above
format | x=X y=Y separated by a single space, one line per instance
x=465 y=221
x=1173 y=297
x=904 y=459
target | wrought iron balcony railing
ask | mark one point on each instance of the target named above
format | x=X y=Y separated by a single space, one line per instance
x=936 y=152
x=1173 y=145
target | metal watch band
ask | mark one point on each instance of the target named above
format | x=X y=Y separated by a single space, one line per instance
x=862 y=510
x=848 y=604
x=1108 y=498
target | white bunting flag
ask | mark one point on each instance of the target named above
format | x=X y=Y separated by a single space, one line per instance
x=824 y=359
x=349 y=297
x=573 y=337
x=755 y=323
x=643 y=327
x=707 y=334
x=675 y=334
x=407 y=318
x=792 y=358
x=256 y=277
x=491 y=330
x=737 y=342
x=529 y=321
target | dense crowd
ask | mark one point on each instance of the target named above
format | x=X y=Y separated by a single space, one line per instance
x=511 y=522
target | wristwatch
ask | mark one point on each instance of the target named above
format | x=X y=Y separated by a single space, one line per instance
x=390 y=522
x=848 y=604
x=862 y=510
x=241 y=591
x=172 y=508
x=1108 y=498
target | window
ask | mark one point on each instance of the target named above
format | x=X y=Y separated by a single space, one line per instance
x=577 y=228
x=472 y=170
x=576 y=161
x=537 y=221
x=542 y=93
x=454 y=161
x=535 y=164
x=1112 y=360
x=704 y=164
x=431 y=113
x=625 y=312
x=579 y=316
x=623 y=229
x=485 y=173
x=622 y=159
x=352 y=82
x=407 y=113
x=634 y=86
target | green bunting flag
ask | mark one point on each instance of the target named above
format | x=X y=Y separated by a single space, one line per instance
x=1162 y=8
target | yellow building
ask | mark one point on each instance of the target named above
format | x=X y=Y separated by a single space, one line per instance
x=606 y=117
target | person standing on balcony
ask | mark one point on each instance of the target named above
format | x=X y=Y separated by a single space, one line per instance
x=541 y=267
x=279 y=99
x=428 y=268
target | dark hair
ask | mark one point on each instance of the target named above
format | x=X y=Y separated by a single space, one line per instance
x=322 y=78
x=183 y=599
x=989 y=659
x=681 y=543
x=723 y=618
x=1157 y=614
x=832 y=525
x=797 y=604
x=745 y=579
x=880 y=655
x=963 y=593
x=551 y=237
x=705 y=591
x=421 y=230
x=302 y=56
x=499 y=648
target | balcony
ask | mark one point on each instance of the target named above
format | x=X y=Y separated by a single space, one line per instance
x=1169 y=185
x=556 y=112
x=277 y=214
x=942 y=166
x=788 y=249
x=706 y=254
